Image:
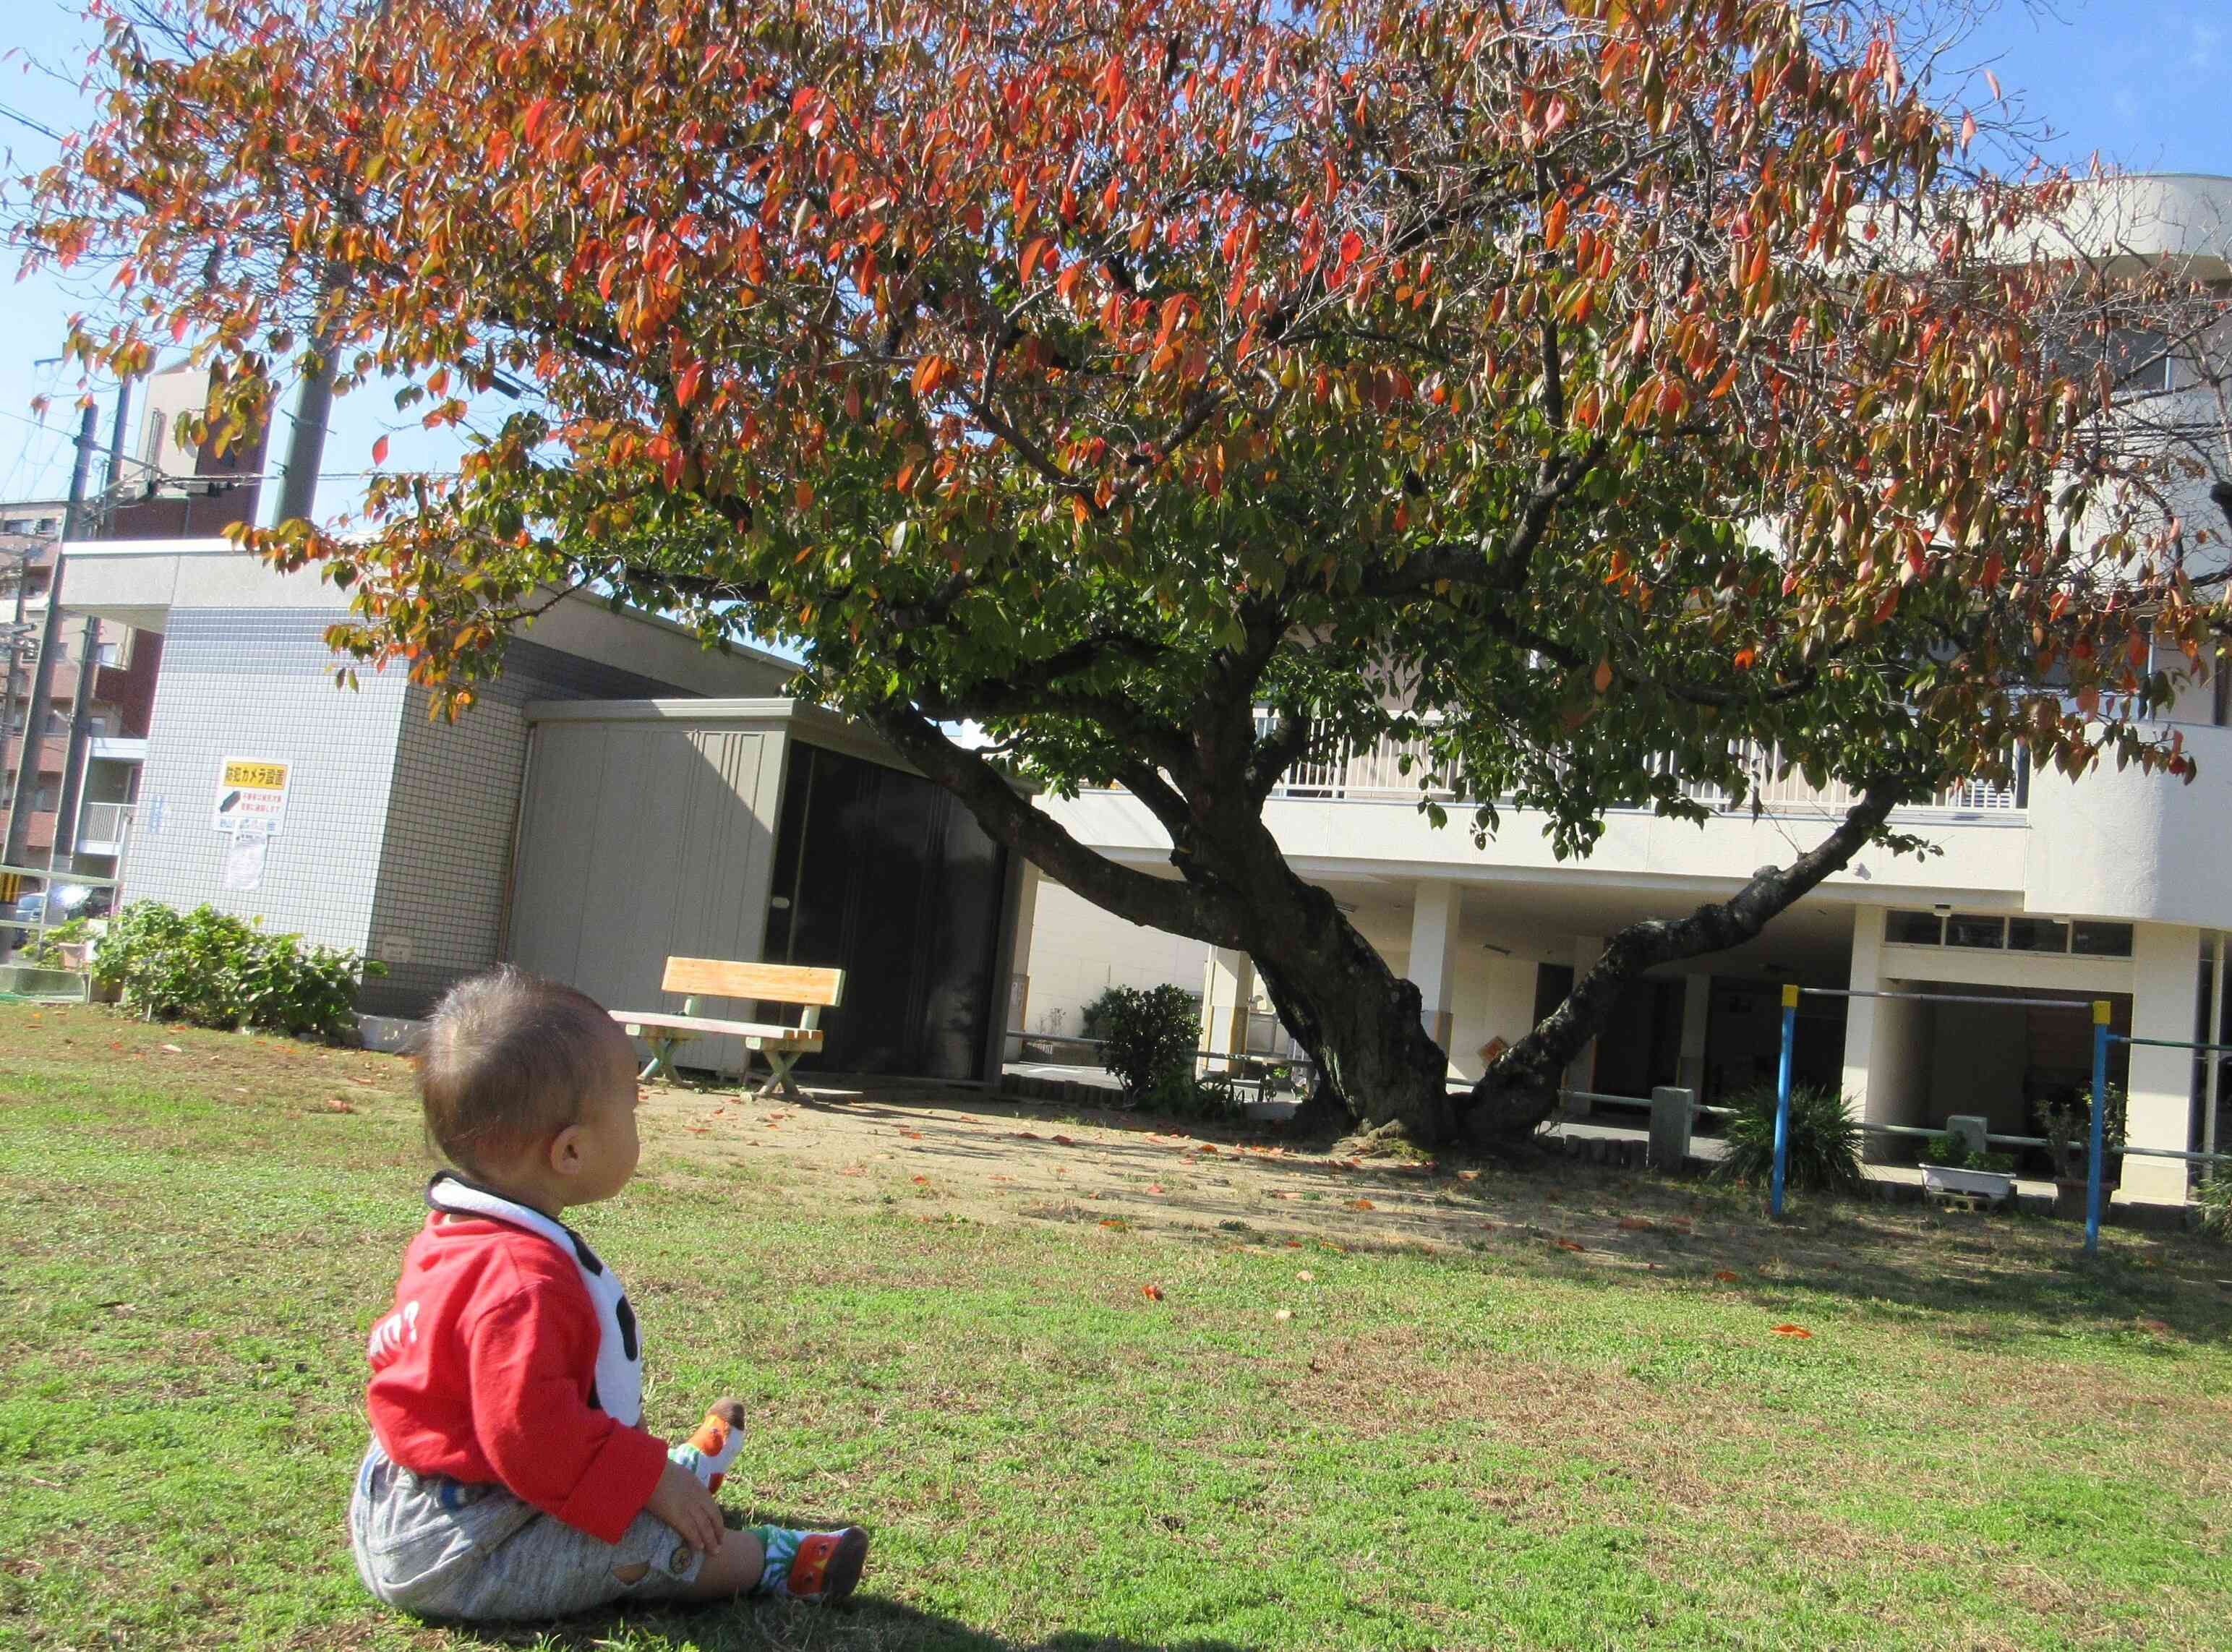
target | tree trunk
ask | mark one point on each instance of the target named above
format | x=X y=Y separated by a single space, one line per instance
x=1357 y=1018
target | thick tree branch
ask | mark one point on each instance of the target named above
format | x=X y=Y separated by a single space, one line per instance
x=1520 y=1088
x=1180 y=908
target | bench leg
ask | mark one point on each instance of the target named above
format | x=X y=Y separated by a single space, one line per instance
x=779 y=1080
x=661 y=1064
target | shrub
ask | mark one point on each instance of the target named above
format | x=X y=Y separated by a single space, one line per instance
x=212 y=970
x=1147 y=1035
x=1823 y=1150
x=1180 y=1095
x=1093 y=1020
x=2213 y=1201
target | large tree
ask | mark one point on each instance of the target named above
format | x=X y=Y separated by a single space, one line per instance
x=1616 y=396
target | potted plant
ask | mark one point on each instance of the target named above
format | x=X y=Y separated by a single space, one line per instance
x=2068 y=1127
x=1950 y=1168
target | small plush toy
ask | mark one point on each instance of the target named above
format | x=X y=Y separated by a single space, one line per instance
x=708 y=1452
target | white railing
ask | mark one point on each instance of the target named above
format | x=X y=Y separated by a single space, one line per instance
x=1332 y=772
x=102 y=827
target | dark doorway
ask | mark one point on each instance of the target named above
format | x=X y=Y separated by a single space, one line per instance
x=883 y=876
x=1641 y=1046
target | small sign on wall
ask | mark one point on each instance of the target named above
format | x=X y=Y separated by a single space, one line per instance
x=250 y=792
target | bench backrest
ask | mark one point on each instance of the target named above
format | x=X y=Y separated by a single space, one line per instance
x=774 y=983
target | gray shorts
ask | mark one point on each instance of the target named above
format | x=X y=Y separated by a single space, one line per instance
x=436 y=1547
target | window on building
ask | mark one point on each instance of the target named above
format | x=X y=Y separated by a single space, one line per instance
x=16 y=525
x=2140 y=362
x=2037 y=934
x=47 y=524
x=44 y=799
x=2101 y=940
x=1969 y=929
x=1915 y=929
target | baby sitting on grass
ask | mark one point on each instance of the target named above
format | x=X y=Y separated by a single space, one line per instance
x=509 y=1476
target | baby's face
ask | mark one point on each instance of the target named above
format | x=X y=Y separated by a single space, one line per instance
x=609 y=1143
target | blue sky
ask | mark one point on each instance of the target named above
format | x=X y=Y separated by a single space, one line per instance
x=2140 y=85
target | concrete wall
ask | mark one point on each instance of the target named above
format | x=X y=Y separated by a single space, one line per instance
x=1079 y=950
x=259 y=682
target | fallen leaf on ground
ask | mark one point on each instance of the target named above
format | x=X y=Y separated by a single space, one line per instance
x=1727 y=1277
x=1359 y=1204
x=852 y=1169
x=1206 y=1147
x=1063 y=1141
x=1026 y=1136
x=911 y=1135
x=1305 y=1276
x=1637 y=1224
x=1284 y=1314
x=923 y=1180
x=1152 y=1292
x=1154 y=1187
x=1567 y=1244
x=1468 y=1175
x=1114 y=1222
x=335 y=1104
x=2154 y=1324
x=173 y=1049
x=1792 y=1330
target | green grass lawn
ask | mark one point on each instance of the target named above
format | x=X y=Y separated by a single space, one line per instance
x=1508 y=1445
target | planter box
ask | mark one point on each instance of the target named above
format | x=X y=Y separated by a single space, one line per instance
x=1997 y=1186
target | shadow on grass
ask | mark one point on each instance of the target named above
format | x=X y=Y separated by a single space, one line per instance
x=867 y=1624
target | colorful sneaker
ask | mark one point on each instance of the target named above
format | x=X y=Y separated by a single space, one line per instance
x=827 y=1566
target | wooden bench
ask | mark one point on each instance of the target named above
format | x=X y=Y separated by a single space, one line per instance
x=774 y=984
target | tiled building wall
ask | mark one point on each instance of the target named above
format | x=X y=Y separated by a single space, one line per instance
x=446 y=863
x=259 y=683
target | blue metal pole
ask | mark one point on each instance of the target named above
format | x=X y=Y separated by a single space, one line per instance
x=1782 y=1095
x=2099 y=1118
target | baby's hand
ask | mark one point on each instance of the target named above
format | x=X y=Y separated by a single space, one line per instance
x=687 y=1506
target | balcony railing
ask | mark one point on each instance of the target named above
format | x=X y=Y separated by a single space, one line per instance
x=1379 y=772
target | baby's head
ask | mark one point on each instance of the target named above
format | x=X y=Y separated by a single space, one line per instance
x=529 y=1086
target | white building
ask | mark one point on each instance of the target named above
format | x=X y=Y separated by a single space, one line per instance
x=2114 y=886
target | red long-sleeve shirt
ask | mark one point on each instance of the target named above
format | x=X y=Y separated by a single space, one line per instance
x=484 y=1372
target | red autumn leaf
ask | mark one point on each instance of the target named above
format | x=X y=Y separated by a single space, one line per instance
x=1637 y=1224
x=2156 y=1326
x=923 y=1179
x=1026 y=1136
x=1207 y=1147
x=1726 y=1277
x=1154 y=1187
x=1567 y=1244
x=1063 y=1141
x=1114 y=1222
x=689 y=382
x=1152 y=1292
x=380 y=451
x=1792 y=1330
x=852 y=1169
x=1359 y=1204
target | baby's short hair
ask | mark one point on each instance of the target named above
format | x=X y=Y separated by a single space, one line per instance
x=508 y=1058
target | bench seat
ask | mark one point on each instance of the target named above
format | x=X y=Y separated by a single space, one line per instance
x=756 y=1035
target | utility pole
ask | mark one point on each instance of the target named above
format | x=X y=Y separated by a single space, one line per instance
x=63 y=853
x=43 y=674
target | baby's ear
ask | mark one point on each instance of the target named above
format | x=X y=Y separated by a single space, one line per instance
x=565 y=1150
